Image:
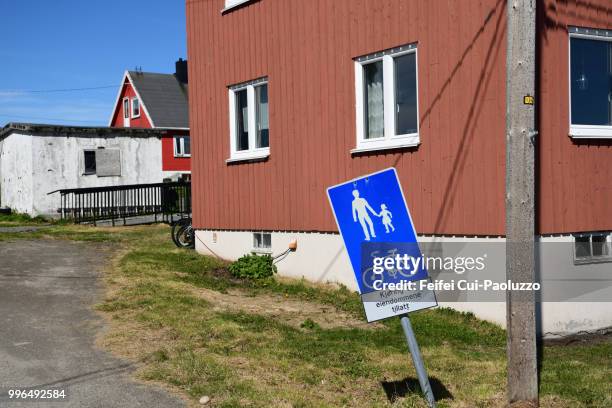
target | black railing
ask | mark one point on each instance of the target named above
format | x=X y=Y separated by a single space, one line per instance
x=163 y=201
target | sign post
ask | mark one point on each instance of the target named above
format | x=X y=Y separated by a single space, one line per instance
x=376 y=226
x=419 y=366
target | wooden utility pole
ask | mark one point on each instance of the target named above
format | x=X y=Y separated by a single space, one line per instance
x=520 y=203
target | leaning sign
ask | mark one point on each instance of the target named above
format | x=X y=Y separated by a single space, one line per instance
x=381 y=242
x=380 y=239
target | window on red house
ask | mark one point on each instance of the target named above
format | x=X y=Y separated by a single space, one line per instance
x=182 y=146
x=135 y=108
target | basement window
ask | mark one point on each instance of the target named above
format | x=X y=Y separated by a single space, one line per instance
x=592 y=248
x=182 y=146
x=590 y=83
x=89 y=160
x=262 y=242
x=386 y=91
x=249 y=121
x=135 y=108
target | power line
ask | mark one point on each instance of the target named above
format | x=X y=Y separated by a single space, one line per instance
x=54 y=119
x=59 y=90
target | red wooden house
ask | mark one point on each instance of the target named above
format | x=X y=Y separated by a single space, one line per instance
x=290 y=97
x=153 y=100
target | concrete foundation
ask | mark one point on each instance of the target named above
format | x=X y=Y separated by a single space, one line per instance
x=321 y=258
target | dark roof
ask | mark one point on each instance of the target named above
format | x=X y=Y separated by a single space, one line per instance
x=164 y=97
x=91 y=131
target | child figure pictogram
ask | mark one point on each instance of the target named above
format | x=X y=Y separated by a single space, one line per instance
x=386 y=218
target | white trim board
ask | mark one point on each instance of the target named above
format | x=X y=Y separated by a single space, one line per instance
x=232 y=4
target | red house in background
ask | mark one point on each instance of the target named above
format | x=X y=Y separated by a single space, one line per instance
x=153 y=100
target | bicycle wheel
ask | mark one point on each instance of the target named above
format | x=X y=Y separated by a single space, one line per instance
x=369 y=277
x=185 y=237
x=176 y=227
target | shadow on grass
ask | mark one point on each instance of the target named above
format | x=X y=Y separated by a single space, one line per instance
x=409 y=385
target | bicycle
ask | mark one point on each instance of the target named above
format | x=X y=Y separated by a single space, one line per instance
x=369 y=277
x=183 y=234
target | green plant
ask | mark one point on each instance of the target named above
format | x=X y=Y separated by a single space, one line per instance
x=159 y=356
x=310 y=324
x=22 y=218
x=253 y=267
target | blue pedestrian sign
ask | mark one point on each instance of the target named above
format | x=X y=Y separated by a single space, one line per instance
x=375 y=223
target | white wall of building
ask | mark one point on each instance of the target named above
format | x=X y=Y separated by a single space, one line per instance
x=16 y=185
x=57 y=162
x=556 y=261
x=321 y=258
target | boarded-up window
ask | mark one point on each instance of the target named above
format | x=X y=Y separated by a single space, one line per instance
x=108 y=162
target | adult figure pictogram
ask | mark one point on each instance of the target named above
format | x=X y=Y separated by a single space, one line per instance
x=360 y=211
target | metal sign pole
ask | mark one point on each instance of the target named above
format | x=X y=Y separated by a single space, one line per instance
x=353 y=204
x=417 y=359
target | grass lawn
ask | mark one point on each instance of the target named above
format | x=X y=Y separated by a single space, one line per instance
x=11 y=220
x=198 y=331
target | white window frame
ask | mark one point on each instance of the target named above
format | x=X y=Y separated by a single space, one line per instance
x=252 y=153
x=181 y=144
x=591 y=258
x=132 y=107
x=126 y=113
x=390 y=139
x=262 y=249
x=585 y=131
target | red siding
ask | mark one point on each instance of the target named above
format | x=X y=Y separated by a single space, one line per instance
x=575 y=177
x=169 y=162
x=454 y=181
x=141 y=122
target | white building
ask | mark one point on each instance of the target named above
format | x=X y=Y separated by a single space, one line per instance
x=36 y=160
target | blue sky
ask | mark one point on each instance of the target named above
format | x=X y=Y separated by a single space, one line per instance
x=67 y=44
